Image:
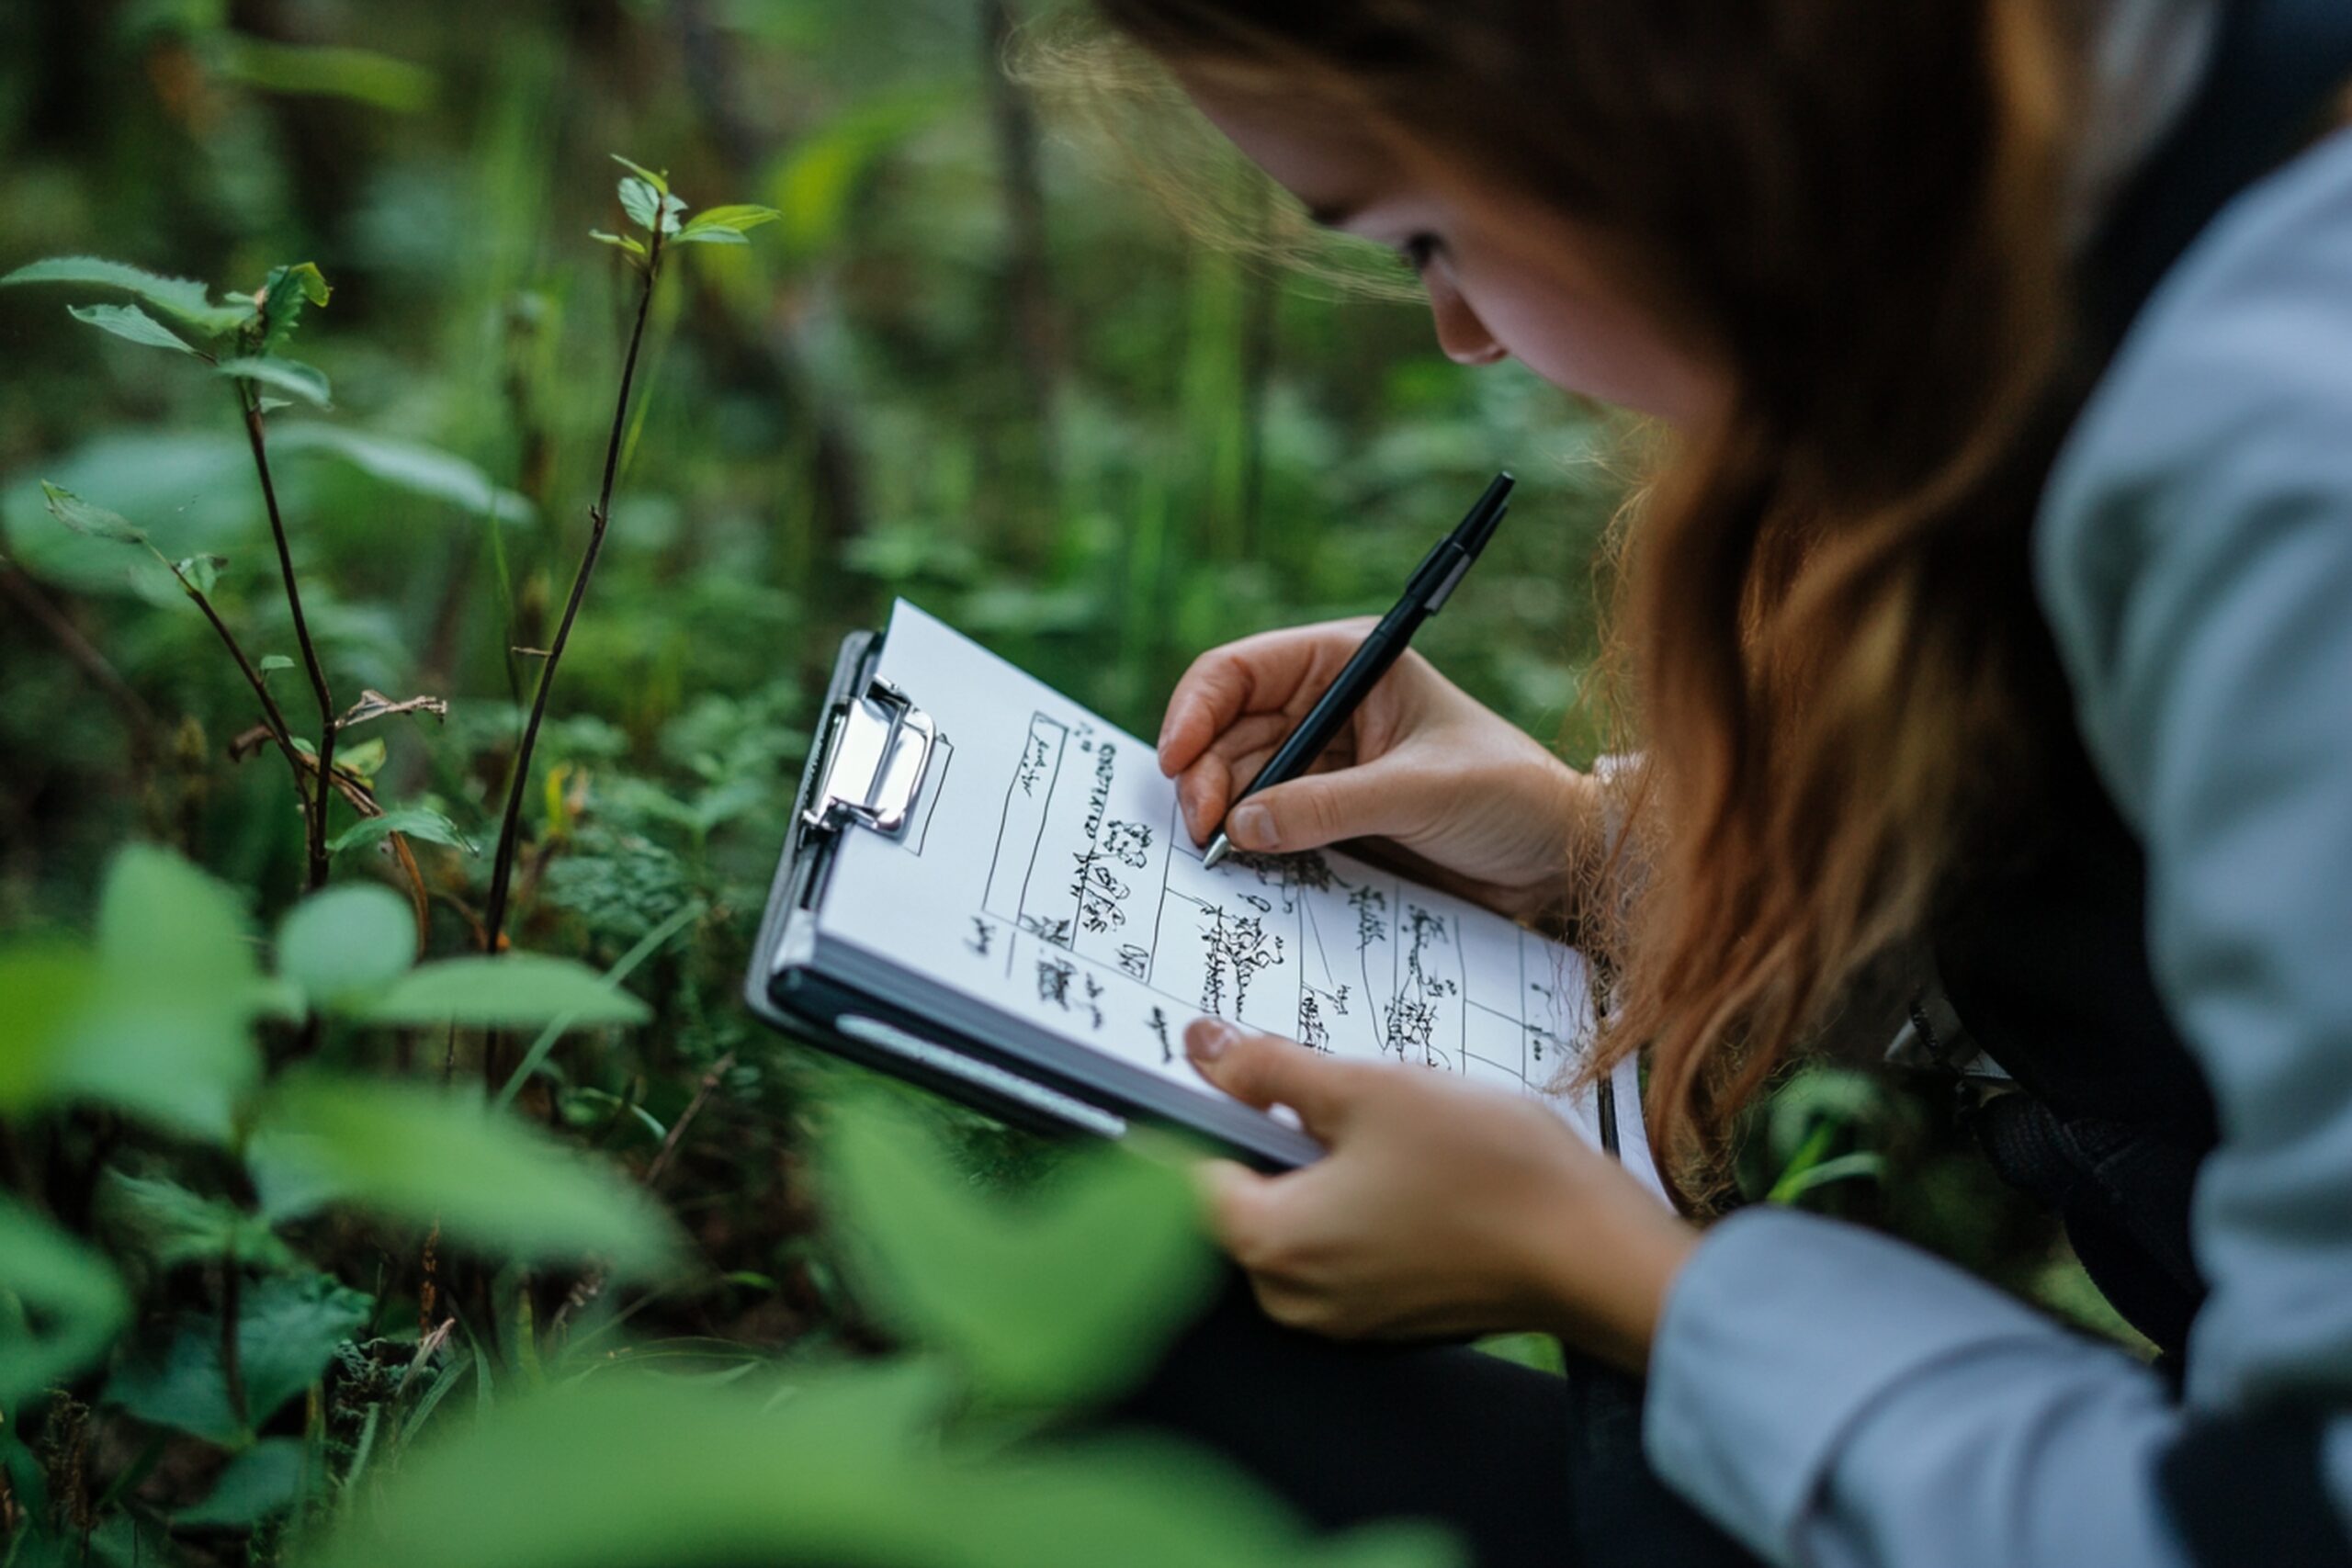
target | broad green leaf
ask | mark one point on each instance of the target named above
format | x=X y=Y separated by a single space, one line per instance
x=43 y=988
x=364 y=758
x=284 y=293
x=1063 y=1297
x=95 y=522
x=161 y=917
x=288 y=376
x=727 y=225
x=411 y=822
x=164 y=1221
x=272 y=662
x=288 y=1328
x=415 y=1155
x=131 y=322
x=640 y=201
x=347 y=942
x=504 y=993
x=406 y=465
x=845 y=1467
x=660 y=182
x=257 y=1483
x=361 y=76
x=61 y=1304
x=184 y=300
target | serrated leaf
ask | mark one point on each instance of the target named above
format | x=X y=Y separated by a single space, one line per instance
x=283 y=295
x=62 y=1303
x=409 y=821
x=628 y=242
x=166 y=1221
x=660 y=182
x=132 y=323
x=288 y=1328
x=347 y=942
x=288 y=376
x=736 y=218
x=183 y=300
x=492 y=1182
x=95 y=522
x=640 y=202
x=504 y=993
x=1054 y=1301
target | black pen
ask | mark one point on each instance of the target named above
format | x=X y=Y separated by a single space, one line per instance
x=1424 y=596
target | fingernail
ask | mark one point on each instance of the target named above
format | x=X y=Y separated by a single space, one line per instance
x=1251 y=827
x=1205 y=1039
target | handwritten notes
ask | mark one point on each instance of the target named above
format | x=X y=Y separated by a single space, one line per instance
x=1047 y=873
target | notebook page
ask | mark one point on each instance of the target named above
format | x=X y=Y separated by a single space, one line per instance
x=1045 y=872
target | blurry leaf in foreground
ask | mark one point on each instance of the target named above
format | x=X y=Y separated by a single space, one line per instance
x=287 y=1327
x=131 y=322
x=258 y=1482
x=490 y=1181
x=494 y=993
x=1065 y=1295
x=347 y=942
x=632 y=1471
x=61 y=1303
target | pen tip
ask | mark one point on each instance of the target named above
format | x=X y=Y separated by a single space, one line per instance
x=1219 y=848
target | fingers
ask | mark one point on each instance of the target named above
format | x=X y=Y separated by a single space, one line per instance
x=1264 y=1070
x=1368 y=801
x=1257 y=674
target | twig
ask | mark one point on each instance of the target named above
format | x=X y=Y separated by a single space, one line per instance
x=273 y=716
x=510 y=826
x=251 y=407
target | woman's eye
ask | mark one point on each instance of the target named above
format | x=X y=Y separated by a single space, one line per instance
x=1418 y=250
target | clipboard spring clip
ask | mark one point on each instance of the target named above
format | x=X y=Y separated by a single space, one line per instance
x=877 y=750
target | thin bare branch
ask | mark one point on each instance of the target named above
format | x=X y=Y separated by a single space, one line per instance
x=251 y=407
x=374 y=704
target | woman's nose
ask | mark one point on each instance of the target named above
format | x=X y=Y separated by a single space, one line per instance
x=1460 y=334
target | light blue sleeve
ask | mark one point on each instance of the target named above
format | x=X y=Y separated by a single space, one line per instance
x=1832 y=1397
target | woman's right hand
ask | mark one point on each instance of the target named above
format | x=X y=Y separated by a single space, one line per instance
x=1421 y=764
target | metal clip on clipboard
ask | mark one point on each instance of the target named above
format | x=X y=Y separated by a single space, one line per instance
x=875 y=763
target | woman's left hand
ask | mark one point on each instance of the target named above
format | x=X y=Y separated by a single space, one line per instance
x=1441 y=1209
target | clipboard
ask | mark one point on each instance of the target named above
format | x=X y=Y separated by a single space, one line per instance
x=876 y=752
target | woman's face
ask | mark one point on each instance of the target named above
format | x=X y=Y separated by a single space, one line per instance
x=1504 y=277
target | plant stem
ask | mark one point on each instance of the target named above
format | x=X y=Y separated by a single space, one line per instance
x=510 y=826
x=272 y=714
x=251 y=406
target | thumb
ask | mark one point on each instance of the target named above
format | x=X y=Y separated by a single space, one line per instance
x=1361 y=802
x=1264 y=1069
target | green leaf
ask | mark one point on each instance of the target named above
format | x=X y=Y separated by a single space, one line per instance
x=846 y=1466
x=166 y=1221
x=364 y=758
x=283 y=294
x=257 y=1483
x=199 y=572
x=490 y=1182
x=406 y=465
x=640 y=201
x=288 y=376
x=274 y=661
x=1063 y=1298
x=61 y=1304
x=43 y=988
x=711 y=237
x=504 y=993
x=347 y=942
x=129 y=321
x=660 y=182
x=95 y=522
x=411 y=822
x=185 y=301
x=628 y=242
x=360 y=75
x=288 y=1328
x=737 y=218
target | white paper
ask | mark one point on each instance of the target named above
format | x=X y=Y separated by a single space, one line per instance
x=1046 y=873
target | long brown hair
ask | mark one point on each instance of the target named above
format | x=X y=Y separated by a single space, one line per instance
x=1857 y=207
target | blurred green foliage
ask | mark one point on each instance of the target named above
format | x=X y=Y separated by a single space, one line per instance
x=325 y=1235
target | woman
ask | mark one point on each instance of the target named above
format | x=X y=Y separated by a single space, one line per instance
x=1998 y=599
